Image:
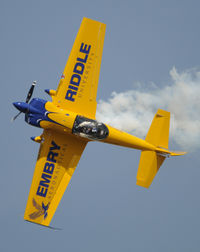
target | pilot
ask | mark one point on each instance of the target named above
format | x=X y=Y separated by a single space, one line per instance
x=88 y=130
x=94 y=130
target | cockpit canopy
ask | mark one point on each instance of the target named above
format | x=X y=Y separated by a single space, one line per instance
x=90 y=129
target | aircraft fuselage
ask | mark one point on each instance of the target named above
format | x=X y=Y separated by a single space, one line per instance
x=45 y=114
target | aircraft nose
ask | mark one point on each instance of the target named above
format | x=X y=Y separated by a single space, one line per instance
x=21 y=106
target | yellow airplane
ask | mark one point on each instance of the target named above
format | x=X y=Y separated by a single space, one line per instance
x=69 y=124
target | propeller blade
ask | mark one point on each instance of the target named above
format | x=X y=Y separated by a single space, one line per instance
x=30 y=92
x=29 y=95
x=12 y=120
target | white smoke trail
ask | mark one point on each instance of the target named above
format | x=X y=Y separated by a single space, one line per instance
x=133 y=110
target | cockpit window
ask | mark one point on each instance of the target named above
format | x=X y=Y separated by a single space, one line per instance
x=90 y=129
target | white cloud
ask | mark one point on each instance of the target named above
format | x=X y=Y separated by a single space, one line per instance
x=133 y=110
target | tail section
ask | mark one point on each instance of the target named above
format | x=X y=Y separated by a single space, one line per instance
x=158 y=133
x=149 y=165
x=150 y=161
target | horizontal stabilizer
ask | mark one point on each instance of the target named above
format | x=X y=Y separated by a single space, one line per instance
x=149 y=165
x=158 y=133
x=150 y=161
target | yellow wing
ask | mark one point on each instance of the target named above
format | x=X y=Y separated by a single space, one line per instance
x=77 y=89
x=57 y=159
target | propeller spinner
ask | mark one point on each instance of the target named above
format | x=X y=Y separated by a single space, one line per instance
x=22 y=106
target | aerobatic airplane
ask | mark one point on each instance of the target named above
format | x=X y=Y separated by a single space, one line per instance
x=69 y=124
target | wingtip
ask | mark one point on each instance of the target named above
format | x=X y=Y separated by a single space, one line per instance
x=42 y=225
x=143 y=183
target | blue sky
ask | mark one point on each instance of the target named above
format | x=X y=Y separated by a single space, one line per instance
x=102 y=209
